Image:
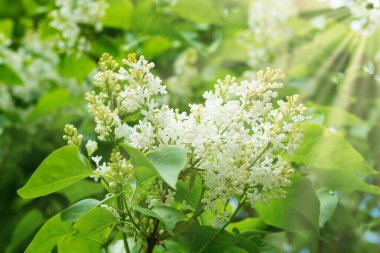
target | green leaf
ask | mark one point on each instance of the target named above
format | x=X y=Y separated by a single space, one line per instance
x=199 y=11
x=82 y=189
x=51 y=233
x=329 y=202
x=167 y=215
x=93 y=222
x=9 y=76
x=335 y=116
x=222 y=248
x=60 y=169
x=145 y=211
x=298 y=210
x=72 y=213
x=25 y=228
x=344 y=181
x=323 y=149
x=155 y=45
x=6 y=27
x=144 y=169
x=51 y=102
x=250 y=226
x=77 y=66
x=166 y=163
x=200 y=235
x=174 y=246
x=80 y=246
x=118 y=14
x=189 y=193
x=169 y=163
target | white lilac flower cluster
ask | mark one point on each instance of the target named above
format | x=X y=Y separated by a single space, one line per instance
x=267 y=22
x=233 y=139
x=69 y=17
x=36 y=62
x=365 y=14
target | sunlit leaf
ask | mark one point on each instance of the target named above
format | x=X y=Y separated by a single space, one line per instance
x=323 y=149
x=62 y=168
x=328 y=202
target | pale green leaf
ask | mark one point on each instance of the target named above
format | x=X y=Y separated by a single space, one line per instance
x=344 y=181
x=328 y=202
x=298 y=210
x=51 y=233
x=323 y=149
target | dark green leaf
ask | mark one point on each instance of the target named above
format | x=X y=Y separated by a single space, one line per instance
x=25 y=228
x=189 y=193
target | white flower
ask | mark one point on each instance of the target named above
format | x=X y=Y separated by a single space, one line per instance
x=267 y=22
x=365 y=14
x=91 y=147
x=70 y=14
x=233 y=139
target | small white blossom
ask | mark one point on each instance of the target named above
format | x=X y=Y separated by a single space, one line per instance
x=96 y=159
x=91 y=147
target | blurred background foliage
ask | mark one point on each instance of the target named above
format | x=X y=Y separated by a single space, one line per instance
x=330 y=55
